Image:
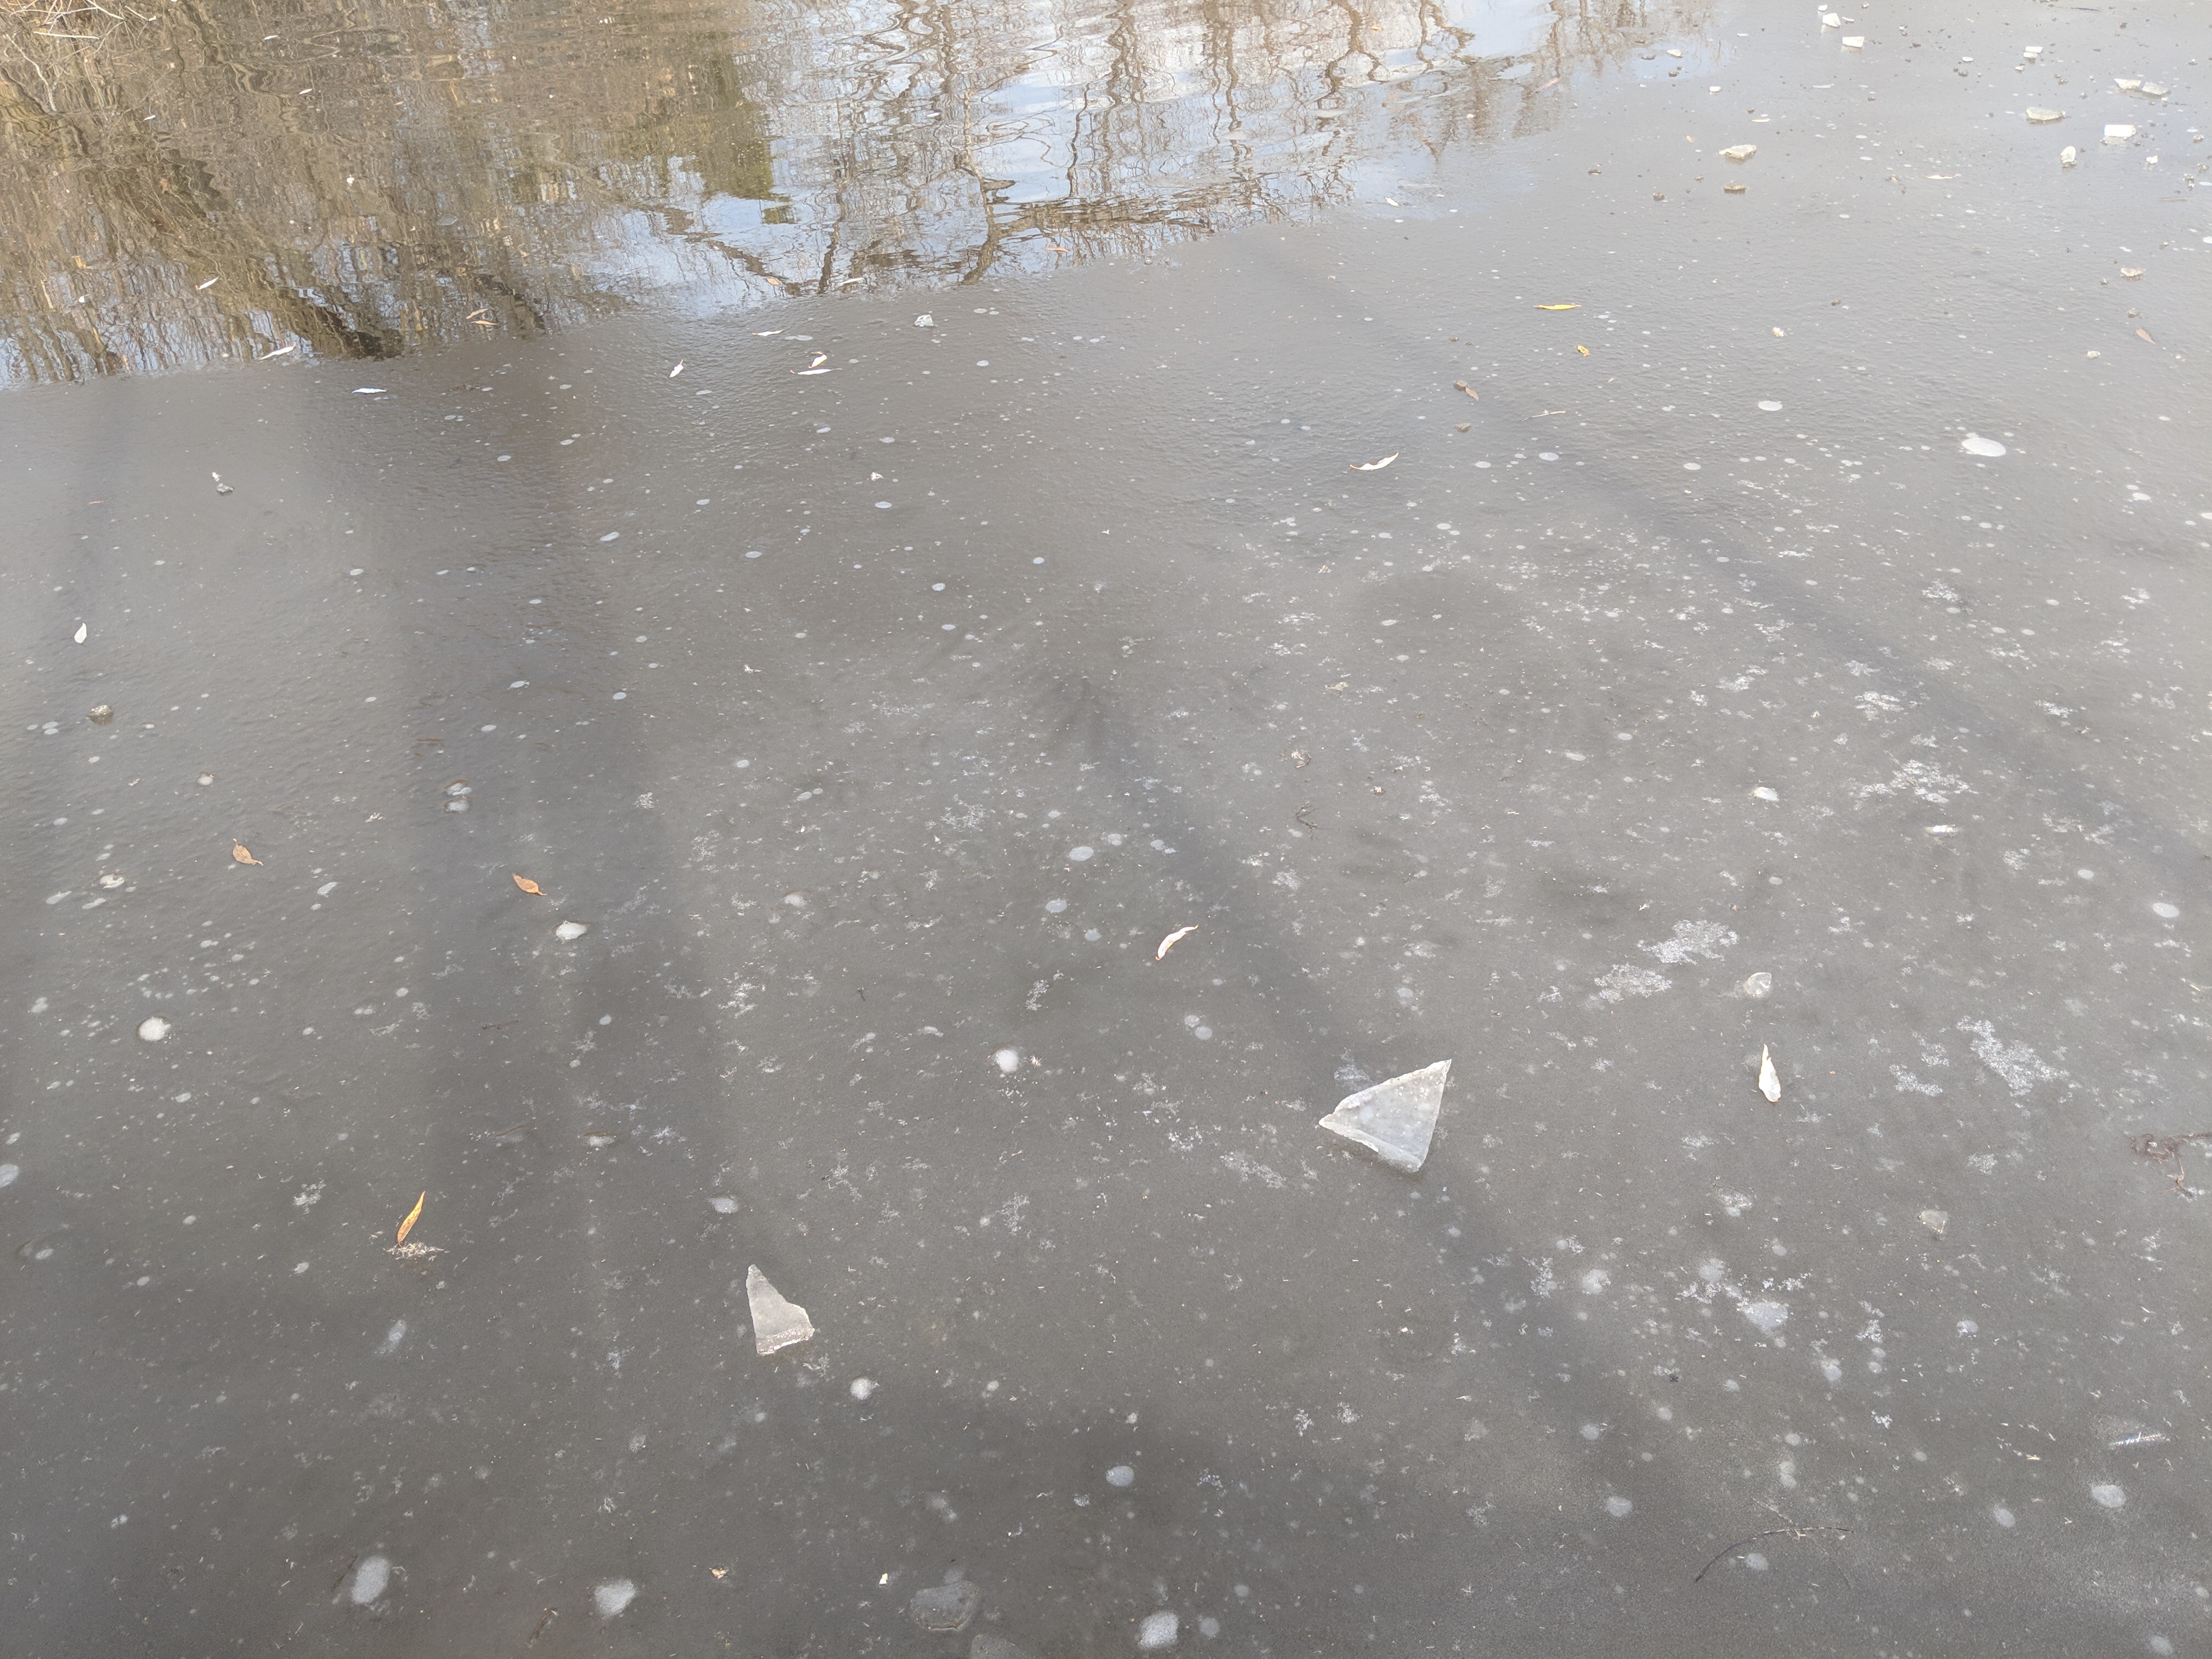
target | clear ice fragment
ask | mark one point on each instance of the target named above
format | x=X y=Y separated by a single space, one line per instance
x=1395 y=1119
x=777 y=1323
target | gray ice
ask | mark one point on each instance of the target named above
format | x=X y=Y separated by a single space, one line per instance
x=1395 y=1119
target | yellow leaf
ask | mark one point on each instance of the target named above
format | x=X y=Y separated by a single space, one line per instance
x=1576 y=306
x=237 y=851
x=407 y=1225
x=529 y=886
x=1583 y=349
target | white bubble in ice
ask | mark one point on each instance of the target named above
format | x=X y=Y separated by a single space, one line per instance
x=863 y=1387
x=1694 y=466
x=571 y=930
x=1769 y=1317
x=1008 y=1060
x=1974 y=444
x=371 y=1578
x=1158 y=1631
x=153 y=1029
x=1079 y=855
x=1617 y=1508
x=2002 y=1516
x=8 y=1173
x=1755 y=1561
x=2112 y=1496
x=723 y=1203
x=1053 y=907
x=611 y=1597
x=1120 y=1475
x=2165 y=912
x=1209 y=1626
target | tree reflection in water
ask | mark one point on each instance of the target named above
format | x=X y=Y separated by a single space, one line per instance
x=206 y=181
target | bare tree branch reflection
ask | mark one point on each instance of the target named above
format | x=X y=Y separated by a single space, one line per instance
x=203 y=183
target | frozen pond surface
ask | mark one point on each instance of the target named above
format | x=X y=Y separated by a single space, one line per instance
x=1717 y=690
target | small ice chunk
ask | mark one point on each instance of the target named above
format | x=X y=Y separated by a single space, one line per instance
x=1395 y=1119
x=1765 y=793
x=1974 y=444
x=945 y=1608
x=1936 y=1221
x=371 y=1576
x=1158 y=1631
x=1008 y=1060
x=571 y=930
x=2117 y=132
x=1830 y=20
x=2069 y=156
x=1759 y=986
x=1617 y=1508
x=1770 y=405
x=611 y=1598
x=724 y=1204
x=8 y=1172
x=777 y=1324
x=924 y=321
x=2112 y=1496
x=2041 y=115
x=153 y=1029
x=1120 y=1475
x=1741 y=152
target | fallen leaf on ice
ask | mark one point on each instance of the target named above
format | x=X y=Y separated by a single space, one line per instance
x=237 y=851
x=677 y=370
x=407 y=1225
x=1575 y=306
x=1168 y=944
x=720 y=1572
x=529 y=886
x=1377 y=466
x=83 y=629
x=820 y=358
x=212 y=281
x=1770 y=1084
x=1468 y=389
x=2140 y=335
x=1583 y=349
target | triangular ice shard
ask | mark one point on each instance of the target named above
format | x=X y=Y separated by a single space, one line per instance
x=776 y=1324
x=1395 y=1119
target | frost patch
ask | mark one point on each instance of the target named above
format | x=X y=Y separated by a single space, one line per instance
x=1769 y=1317
x=2019 y=1066
x=1703 y=940
x=1924 y=779
x=1626 y=979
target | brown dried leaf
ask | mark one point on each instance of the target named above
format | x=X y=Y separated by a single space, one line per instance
x=1463 y=386
x=2140 y=335
x=529 y=886
x=237 y=851
x=407 y=1225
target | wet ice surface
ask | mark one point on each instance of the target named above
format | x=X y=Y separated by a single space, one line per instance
x=1448 y=759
